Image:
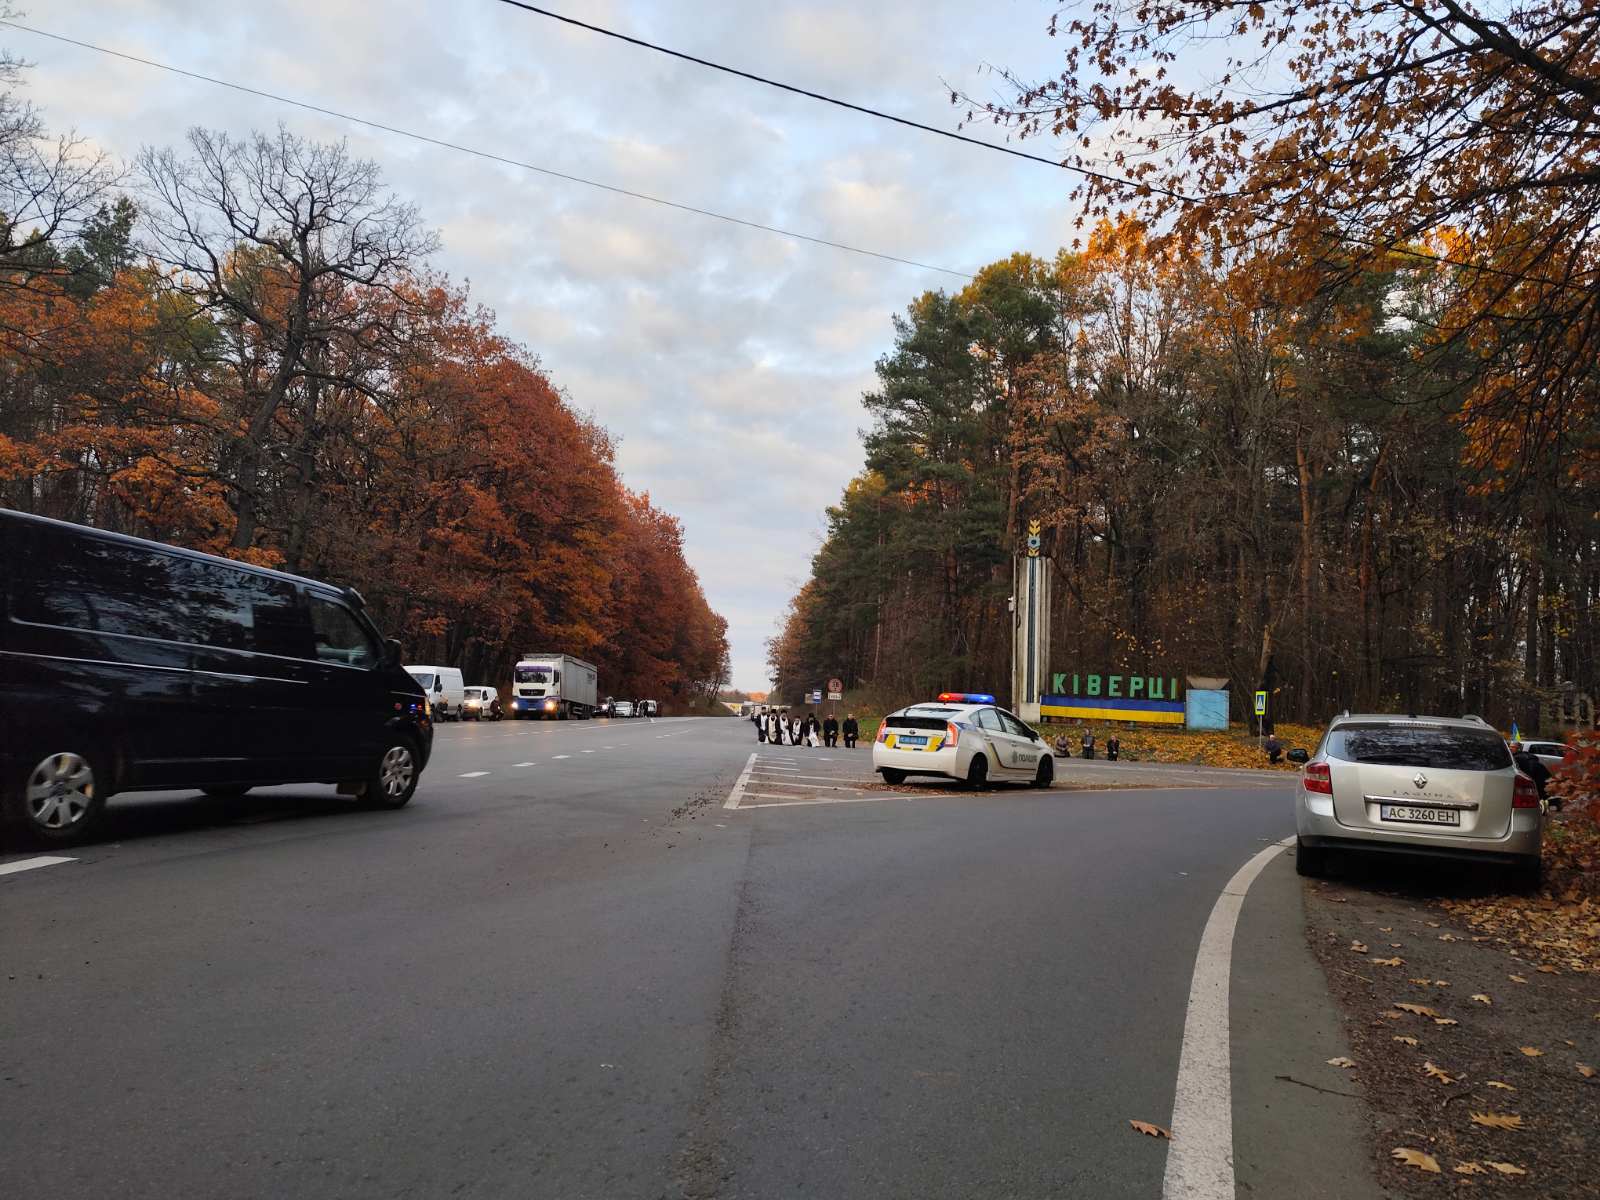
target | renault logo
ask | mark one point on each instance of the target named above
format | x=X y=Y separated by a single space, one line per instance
x=1420 y=780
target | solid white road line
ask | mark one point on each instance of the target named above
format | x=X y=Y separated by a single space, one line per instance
x=29 y=864
x=471 y=774
x=1200 y=1155
x=739 y=784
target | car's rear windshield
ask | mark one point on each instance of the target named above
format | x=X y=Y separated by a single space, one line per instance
x=1440 y=747
x=425 y=678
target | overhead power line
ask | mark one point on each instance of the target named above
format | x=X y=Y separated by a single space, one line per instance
x=1137 y=186
x=486 y=155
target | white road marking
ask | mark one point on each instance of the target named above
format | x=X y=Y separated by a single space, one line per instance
x=561 y=756
x=29 y=864
x=588 y=751
x=526 y=764
x=837 y=780
x=472 y=774
x=1200 y=1155
x=739 y=784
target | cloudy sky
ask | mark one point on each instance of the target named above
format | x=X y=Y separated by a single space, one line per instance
x=729 y=363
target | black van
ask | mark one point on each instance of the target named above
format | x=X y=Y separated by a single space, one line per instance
x=130 y=665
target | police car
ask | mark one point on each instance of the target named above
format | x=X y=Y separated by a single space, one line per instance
x=963 y=736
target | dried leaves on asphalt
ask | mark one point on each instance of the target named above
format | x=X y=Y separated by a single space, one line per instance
x=1149 y=1130
x=1416 y=1158
x=1497 y=1120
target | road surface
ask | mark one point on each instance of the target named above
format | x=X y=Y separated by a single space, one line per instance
x=567 y=970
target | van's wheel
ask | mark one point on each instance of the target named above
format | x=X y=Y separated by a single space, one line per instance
x=60 y=798
x=394 y=775
x=1310 y=861
x=892 y=776
x=231 y=792
x=1046 y=774
x=978 y=772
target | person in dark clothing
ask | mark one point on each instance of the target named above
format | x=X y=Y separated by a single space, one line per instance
x=1535 y=770
x=1274 y=748
x=1113 y=748
x=851 y=732
x=1088 y=744
x=830 y=731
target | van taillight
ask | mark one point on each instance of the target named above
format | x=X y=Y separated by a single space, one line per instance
x=1318 y=778
x=1526 y=794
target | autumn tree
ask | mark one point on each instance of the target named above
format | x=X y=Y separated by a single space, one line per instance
x=296 y=253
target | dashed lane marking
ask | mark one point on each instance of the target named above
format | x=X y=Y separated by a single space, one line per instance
x=526 y=764
x=561 y=756
x=30 y=864
x=588 y=751
x=471 y=774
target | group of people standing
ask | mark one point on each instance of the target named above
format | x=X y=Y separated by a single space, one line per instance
x=1063 y=748
x=781 y=729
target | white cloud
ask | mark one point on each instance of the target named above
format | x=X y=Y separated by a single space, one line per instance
x=728 y=362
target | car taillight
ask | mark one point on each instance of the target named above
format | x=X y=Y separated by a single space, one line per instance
x=1318 y=778
x=954 y=732
x=1526 y=794
x=883 y=731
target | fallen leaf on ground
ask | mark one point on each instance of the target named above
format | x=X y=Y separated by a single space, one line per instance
x=1433 y=924
x=1586 y=1071
x=1358 y=947
x=1415 y=1158
x=1516 y=979
x=1441 y=983
x=1547 y=969
x=1391 y=1015
x=1505 y=1087
x=1434 y=1072
x=1395 y=945
x=1468 y=1168
x=1445 y=1021
x=1497 y=1120
x=1482 y=999
x=1342 y=1061
x=1448 y=937
x=1149 y=1130
x=1385 y=928
x=1532 y=1051
x=1421 y=1010
x=1388 y=962
x=1410 y=1041
x=1505 y=1168
x=1418 y=982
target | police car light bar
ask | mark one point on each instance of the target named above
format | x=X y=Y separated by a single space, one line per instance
x=965 y=698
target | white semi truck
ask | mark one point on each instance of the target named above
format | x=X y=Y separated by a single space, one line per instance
x=553 y=685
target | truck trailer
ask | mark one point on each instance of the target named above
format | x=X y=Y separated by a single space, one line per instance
x=553 y=685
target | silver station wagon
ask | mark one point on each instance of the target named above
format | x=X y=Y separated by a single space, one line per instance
x=1429 y=786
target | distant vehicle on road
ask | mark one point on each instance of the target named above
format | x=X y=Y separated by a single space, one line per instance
x=622 y=708
x=447 y=693
x=135 y=666
x=482 y=703
x=1431 y=786
x=553 y=685
x=964 y=736
x=607 y=707
x=1549 y=753
x=649 y=708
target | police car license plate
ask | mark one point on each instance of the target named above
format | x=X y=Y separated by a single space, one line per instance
x=1419 y=815
x=905 y=740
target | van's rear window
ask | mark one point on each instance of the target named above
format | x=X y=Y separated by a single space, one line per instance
x=1443 y=749
x=425 y=678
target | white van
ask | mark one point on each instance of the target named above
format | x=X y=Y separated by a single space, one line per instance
x=447 y=690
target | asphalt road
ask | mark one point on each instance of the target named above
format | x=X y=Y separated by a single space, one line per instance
x=566 y=971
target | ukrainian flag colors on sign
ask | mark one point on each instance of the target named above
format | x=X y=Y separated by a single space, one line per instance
x=1111 y=708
